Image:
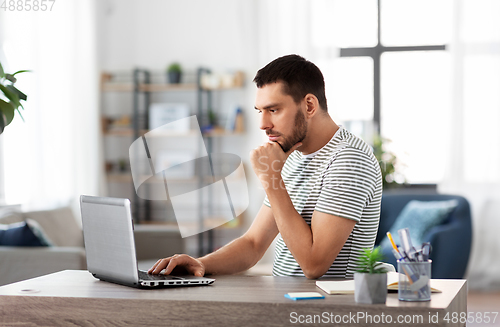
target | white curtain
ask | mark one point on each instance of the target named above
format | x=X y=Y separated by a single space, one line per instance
x=284 y=28
x=474 y=158
x=302 y=27
x=52 y=157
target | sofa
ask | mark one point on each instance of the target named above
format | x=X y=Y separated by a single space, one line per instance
x=67 y=251
x=451 y=240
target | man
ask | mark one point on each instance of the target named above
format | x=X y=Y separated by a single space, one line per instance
x=323 y=199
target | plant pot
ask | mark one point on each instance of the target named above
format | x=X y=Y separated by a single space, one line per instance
x=174 y=77
x=370 y=288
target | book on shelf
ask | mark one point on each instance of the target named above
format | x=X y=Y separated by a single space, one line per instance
x=235 y=121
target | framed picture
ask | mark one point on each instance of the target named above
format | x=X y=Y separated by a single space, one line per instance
x=165 y=113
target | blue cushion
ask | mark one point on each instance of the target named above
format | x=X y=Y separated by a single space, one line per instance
x=22 y=234
x=419 y=217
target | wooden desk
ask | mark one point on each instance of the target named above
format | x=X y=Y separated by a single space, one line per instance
x=74 y=297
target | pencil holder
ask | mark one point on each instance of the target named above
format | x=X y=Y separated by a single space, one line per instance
x=414 y=281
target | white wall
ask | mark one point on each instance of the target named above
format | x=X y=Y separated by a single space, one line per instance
x=219 y=34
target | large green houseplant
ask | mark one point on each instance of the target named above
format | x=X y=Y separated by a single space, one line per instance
x=370 y=279
x=10 y=98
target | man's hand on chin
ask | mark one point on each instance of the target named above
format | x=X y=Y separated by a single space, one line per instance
x=268 y=160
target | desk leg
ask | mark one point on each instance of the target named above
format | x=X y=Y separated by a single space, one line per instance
x=458 y=305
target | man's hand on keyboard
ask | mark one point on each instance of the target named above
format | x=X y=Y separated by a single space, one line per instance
x=191 y=265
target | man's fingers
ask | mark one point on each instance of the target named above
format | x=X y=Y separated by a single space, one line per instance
x=154 y=266
x=174 y=262
x=192 y=265
x=195 y=270
x=160 y=265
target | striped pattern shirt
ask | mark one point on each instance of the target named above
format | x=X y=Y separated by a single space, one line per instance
x=342 y=179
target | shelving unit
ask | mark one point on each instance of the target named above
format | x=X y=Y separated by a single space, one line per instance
x=142 y=88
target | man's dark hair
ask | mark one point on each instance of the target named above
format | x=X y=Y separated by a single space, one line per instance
x=298 y=75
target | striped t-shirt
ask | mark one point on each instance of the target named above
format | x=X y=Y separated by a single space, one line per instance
x=343 y=179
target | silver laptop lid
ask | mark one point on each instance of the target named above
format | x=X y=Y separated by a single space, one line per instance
x=109 y=238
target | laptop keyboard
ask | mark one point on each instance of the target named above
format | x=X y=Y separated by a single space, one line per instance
x=145 y=276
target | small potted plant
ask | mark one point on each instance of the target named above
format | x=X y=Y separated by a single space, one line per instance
x=10 y=98
x=174 y=73
x=370 y=280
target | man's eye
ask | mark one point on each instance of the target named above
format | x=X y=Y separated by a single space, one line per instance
x=273 y=110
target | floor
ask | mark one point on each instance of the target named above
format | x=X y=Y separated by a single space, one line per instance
x=479 y=303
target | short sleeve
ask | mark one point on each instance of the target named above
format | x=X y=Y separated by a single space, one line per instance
x=348 y=183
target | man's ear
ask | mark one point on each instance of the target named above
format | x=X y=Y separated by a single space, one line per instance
x=312 y=105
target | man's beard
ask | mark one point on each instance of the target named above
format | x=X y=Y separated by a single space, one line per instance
x=298 y=135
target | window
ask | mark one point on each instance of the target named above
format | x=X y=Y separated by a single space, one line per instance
x=401 y=47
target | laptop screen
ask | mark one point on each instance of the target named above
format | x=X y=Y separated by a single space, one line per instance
x=109 y=238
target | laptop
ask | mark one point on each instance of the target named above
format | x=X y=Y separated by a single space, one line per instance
x=108 y=232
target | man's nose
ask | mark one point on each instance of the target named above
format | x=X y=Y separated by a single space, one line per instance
x=265 y=121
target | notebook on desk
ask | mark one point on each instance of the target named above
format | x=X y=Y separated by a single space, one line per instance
x=108 y=232
x=347 y=286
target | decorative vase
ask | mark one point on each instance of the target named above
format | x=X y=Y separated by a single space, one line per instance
x=174 y=77
x=370 y=288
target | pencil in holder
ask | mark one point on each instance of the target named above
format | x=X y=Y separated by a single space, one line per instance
x=414 y=281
